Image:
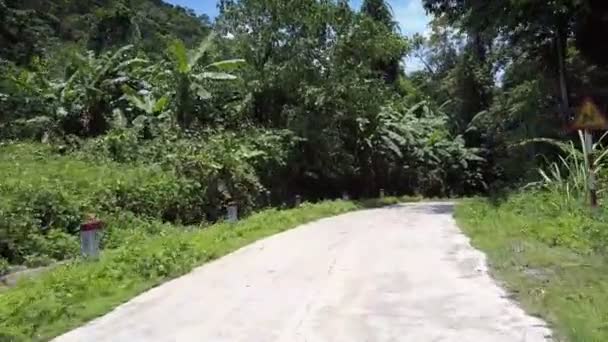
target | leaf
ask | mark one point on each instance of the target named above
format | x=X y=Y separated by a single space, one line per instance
x=164 y=116
x=413 y=109
x=109 y=63
x=161 y=104
x=118 y=119
x=392 y=146
x=128 y=90
x=117 y=80
x=42 y=119
x=192 y=61
x=61 y=112
x=253 y=154
x=566 y=148
x=137 y=102
x=227 y=65
x=140 y=121
x=132 y=62
x=180 y=56
x=201 y=92
x=399 y=139
x=217 y=76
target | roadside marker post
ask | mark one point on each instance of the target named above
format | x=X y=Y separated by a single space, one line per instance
x=268 y=197
x=232 y=212
x=90 y=237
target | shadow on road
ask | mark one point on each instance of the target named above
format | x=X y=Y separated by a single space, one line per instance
x=429 y=208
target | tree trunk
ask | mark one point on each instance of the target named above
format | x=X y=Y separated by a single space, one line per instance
x=560 y=44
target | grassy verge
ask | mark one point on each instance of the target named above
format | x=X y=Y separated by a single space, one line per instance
x=551 y=258
x=45 y=196
x=70 y=295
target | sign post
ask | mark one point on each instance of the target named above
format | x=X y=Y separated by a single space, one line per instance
x=591 y=183
x=589 y=118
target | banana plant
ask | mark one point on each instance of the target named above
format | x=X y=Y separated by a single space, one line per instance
x=154 y=109
x=85 y=97
x=148 y=104
x=190 y=77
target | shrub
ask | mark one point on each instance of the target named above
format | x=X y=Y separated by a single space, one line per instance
x=45 y=196
x=4 y=266
x=186 y=180
x=217 y=166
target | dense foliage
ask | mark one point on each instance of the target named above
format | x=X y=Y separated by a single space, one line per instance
x=271 y=100
x=152 y=117
x=147 y=110
x=513 y=71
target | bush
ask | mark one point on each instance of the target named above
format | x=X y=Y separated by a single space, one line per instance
x=125 y=228
x=186 y=181
x=219 y=166
x=4 y=266
x=45 y=196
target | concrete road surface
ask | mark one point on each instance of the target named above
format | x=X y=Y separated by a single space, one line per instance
x=404 y=273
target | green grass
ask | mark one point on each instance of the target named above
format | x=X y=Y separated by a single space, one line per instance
x=70 y=295
x=28 y=168
x=44 y=197
x=550 y=257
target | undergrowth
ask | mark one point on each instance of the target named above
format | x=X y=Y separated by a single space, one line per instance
x=44 y=197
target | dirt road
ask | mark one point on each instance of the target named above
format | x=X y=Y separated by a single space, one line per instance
x=404 y=273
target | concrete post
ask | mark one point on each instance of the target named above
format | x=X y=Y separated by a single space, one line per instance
x=233 y=212
x=90 y=237
x=298 y=201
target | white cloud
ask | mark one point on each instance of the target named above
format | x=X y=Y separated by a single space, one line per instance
x=412 y=19
x=411 y=16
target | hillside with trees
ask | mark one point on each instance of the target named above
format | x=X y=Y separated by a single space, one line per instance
x=30 y=29
x=309 y=99
x=155 y=118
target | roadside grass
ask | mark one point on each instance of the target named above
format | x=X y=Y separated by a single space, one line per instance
x=44 y=197
x=552 y=259
x=69 y=295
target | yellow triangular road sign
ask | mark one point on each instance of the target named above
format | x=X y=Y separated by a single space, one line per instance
x=588 y=116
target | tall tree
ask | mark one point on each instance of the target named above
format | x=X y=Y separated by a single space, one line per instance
x=381 y=12
x=542 y=28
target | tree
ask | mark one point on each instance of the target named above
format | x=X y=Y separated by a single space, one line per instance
x=540 y=27
x=115 y=27
x=190 y=77
x=381 y=12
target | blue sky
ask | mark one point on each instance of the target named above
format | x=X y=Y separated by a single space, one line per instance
x=409 y=13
